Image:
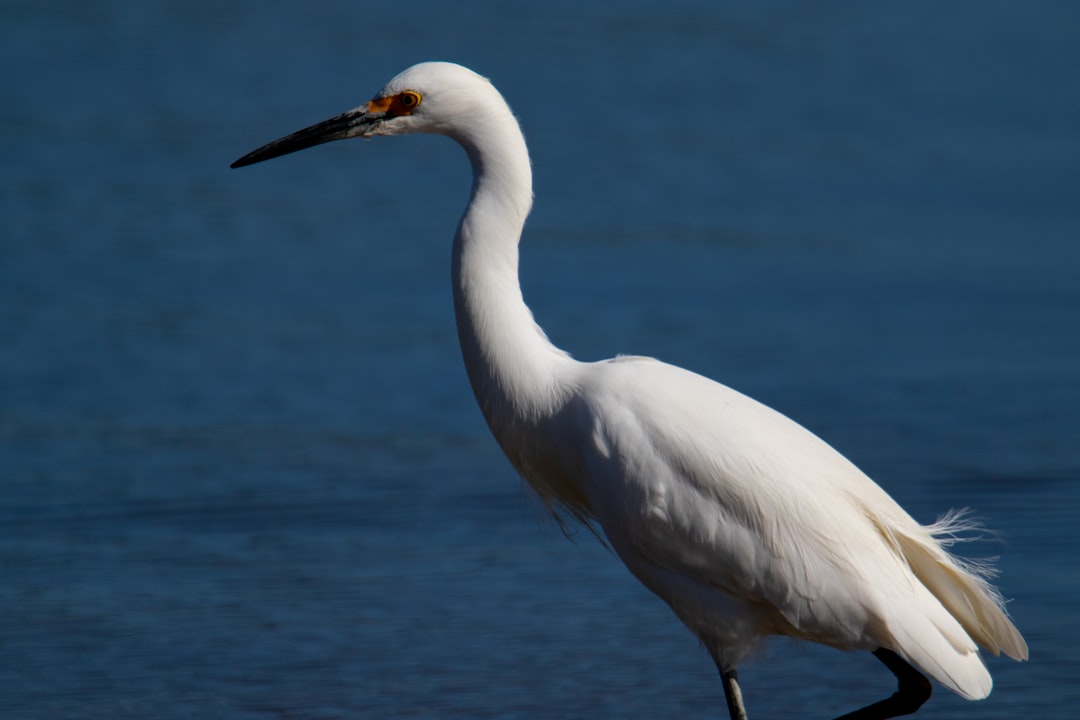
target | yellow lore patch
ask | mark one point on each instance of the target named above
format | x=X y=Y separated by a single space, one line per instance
x=395 y=105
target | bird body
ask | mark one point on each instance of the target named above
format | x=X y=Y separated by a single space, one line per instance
x=748 y=525
x=743 y=540
x=744 y=522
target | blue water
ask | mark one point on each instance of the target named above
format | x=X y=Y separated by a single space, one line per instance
x=242 y=472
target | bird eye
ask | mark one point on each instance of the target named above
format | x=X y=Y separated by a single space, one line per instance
x=409 y=99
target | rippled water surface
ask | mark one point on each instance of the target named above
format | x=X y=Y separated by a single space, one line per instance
x=242 y=472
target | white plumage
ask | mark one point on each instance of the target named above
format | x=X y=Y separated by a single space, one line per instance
x=748 y=525
x=745 y=523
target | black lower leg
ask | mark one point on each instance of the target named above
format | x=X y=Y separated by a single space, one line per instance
x=913 y=689
x=733 y=694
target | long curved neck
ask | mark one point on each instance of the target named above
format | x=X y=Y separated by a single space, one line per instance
x=510 y=362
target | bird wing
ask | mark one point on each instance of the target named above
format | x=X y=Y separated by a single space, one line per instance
x=706 y=481
x=692 y=479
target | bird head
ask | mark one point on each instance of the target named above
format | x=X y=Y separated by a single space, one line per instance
x=430 y=97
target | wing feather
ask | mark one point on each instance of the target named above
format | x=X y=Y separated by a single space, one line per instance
x=691 y=479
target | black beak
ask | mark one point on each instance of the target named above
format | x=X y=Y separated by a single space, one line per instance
x=353 y=123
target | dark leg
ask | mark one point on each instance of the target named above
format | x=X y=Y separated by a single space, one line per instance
x=913 y=689
x=733 y=694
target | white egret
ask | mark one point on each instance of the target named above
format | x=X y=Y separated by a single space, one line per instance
x=745 y=523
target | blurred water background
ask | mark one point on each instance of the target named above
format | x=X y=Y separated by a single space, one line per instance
x=241 y=471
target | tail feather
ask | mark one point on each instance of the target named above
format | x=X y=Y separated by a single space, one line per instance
x=939 y=650
x=954 y=607
x=964 y=590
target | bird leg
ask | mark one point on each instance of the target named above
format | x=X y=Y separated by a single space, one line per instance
x=913 y=689
x=733 y=694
